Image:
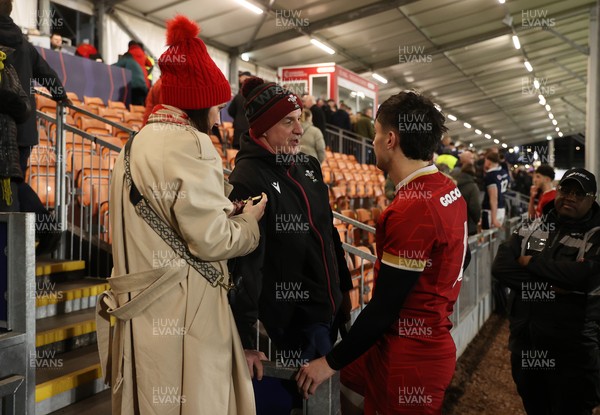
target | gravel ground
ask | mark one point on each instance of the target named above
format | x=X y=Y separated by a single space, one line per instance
x=482 y=383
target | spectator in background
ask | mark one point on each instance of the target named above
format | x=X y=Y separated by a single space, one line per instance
x=447 y=160
x=136 y=50
x=552 y=265
x=341 y=118
x=523 y=181
x=139 y=82
x=318 y=116
x=479 y=173
x=312 y=142
x=468 y=188
x=464 y=157
x=85 y=50
x=15 y=107
x=364 y=124
x=236 y=111
x=330 y=109
x=496 y=183
x=56 y=42
x=542 y=190
x=30 y=66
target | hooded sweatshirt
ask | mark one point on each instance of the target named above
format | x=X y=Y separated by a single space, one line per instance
x=300 y=262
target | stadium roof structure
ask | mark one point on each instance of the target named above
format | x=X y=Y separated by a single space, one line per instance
x=459 y=52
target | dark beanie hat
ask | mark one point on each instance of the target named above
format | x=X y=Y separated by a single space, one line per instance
x=190 y=78
x=266 y=104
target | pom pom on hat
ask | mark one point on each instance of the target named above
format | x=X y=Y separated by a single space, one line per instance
x=190 y=78
x=181 y=29
x=249 y=84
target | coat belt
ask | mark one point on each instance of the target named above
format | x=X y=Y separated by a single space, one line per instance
x=150 y=285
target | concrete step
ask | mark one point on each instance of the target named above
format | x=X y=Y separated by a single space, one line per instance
x=66 y=332
x=98 y=404
x=57 y=270
x=56 y=298
x=63 y=379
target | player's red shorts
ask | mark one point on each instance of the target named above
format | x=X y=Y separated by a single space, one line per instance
x=395 y=381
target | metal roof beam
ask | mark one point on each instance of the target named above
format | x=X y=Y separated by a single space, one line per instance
x=335 y=20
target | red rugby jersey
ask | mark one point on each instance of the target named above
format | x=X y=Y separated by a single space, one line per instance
x=425 y=230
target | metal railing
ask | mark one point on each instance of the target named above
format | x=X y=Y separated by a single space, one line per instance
x=347 y=142
x=71 y=173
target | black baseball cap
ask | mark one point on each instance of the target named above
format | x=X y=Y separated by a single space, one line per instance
x=585 y=179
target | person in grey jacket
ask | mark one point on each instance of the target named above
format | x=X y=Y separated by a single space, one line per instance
x=312 y=142
x=465 y=180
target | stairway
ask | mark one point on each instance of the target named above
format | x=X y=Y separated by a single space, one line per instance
x=67 y=362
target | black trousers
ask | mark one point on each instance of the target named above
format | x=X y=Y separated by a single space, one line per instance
x=566 y=383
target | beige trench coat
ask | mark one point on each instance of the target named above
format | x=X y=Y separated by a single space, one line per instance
x=174 y=348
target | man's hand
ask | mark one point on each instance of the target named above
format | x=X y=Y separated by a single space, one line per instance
x=496 y=224
x=533 y=191
x=524 y=260
x=311 y=375
x=254 y=360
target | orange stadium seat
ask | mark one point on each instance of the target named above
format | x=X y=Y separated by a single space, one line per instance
x=93 y=101
x=42 y=180
x=117 y=105
x=93 y=126
x=137 y=108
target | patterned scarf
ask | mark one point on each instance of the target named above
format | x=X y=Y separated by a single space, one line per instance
x=167 y=114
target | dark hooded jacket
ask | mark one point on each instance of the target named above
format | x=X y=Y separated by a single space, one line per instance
x=554 y=300
x=30 y=66
x=300 y=262
x=14 y=108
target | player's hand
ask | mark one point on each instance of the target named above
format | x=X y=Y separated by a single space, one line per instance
x=311 y=375
x=257 y=210
x=496 y=224
x=254 y=360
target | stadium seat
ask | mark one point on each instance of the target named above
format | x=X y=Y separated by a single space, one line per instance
x=93 y=126
x=117 y=105
x=112 y=114
x=137 y=108
x=93 y=101
x=42 y=180
x=46 y=105
x=42 y=156
x=94 y=186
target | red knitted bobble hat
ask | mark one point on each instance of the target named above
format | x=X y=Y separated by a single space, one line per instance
x=190 y=78
x=267 y=104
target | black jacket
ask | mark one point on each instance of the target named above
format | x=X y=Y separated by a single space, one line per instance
x=240 y=122
x=318 y=118
x=553 y=299
x=30 y=66
x=14 y=107
x=297 y=274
